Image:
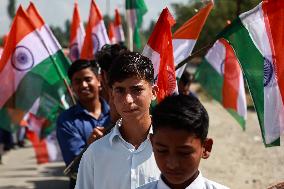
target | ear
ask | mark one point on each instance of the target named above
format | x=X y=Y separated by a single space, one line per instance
x=207 y=147
x=155 y=90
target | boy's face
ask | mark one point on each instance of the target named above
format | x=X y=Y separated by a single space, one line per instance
x=178 y=154
x=132 y=97
x=85 y=84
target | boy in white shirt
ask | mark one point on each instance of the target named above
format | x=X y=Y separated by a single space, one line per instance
x=123 y=159
x=179 y=140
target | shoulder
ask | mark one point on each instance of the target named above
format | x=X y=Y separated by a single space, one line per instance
x=151 y=185
x=213 y=185
x=68 y=114
x=99 y=147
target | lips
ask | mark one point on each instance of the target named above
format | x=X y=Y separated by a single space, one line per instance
x=130 y=110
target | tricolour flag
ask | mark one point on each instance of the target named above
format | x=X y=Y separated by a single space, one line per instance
x=185 y=37
x=111 y=32
x=257 y=38
x=32 y=66
x=135 y=10
x=160 y=50
x=96 y=34
x=77 y=35
x=118 y=30
x=46 y=148
x=220 y=74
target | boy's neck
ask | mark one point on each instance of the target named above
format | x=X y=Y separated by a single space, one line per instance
x=135 y=131
x=94 y=107
x=183 y=185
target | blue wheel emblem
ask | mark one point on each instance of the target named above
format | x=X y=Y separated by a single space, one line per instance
x=268 y=72
x=22 y=58
x=96 y=42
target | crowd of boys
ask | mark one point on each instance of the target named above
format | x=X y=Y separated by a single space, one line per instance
x=127 y=147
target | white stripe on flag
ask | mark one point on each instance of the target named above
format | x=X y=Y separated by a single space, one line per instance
x=182 y=49
x=216 y=56
x=155 y=58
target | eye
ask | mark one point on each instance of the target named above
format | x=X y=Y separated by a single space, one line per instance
x=88 y=79
x=161 y=151
x=118 y=90
x=137 y=90
x=186 y=153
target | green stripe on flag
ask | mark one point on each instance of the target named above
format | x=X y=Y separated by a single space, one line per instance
x=252 y=63
x=210 y=80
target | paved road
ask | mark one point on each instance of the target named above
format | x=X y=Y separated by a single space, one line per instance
x=20 y=171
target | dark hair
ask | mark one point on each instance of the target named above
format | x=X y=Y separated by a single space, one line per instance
x=81 y=64
x=108 y=53
x=181 y=112
x=129 y=64
x=186 y=78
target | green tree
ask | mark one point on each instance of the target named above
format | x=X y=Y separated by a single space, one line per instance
x=11 y=8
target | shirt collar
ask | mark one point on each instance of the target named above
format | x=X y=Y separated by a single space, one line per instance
x=198 y=183
x=115 y=131
x=79 y=109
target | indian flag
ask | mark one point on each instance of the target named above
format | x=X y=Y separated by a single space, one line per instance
x=257 y=38
x=77 y=35
x=96 y=34
x=118 y=30
x=160 y=50
x=185 y=37
x=111 y=32
x=32 y=65
x=220 y=74
x=135 y=10
x=46 y=147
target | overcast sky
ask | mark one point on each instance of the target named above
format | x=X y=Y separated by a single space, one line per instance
x=55 y=12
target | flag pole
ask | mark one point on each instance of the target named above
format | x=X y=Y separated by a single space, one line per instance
x=198 y=52
x=56 y=66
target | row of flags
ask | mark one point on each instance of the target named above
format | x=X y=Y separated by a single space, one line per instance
x=86 y=44
x=33 y=72
x=247 y=49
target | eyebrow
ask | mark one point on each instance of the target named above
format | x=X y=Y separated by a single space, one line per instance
x=179 y=147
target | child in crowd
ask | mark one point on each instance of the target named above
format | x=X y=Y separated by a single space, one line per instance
x=123 y=159
x=179 y=140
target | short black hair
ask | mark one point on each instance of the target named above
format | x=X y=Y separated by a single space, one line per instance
x=108 y=53
x=129 y=64
x=181 y=112
x=81 y=64
x=186 y=78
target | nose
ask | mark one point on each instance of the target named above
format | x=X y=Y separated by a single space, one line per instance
x=84 y=84
x=129 y=98
x=172 y=163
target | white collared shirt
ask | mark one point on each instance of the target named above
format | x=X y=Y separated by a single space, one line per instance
x=199 y=183
x=113 y=163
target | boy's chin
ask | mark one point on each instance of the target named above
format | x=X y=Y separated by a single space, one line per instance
x=175 y=179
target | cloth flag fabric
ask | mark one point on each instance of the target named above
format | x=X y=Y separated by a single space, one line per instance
x=96 y=34
x=118 y=30
x=77 y=35
x=257 y=38
x=46 y=148
x=185 y=37
x=111 y=33
x=29 y=68
x=220 y=74
x=135 y=10
x=160 y=50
